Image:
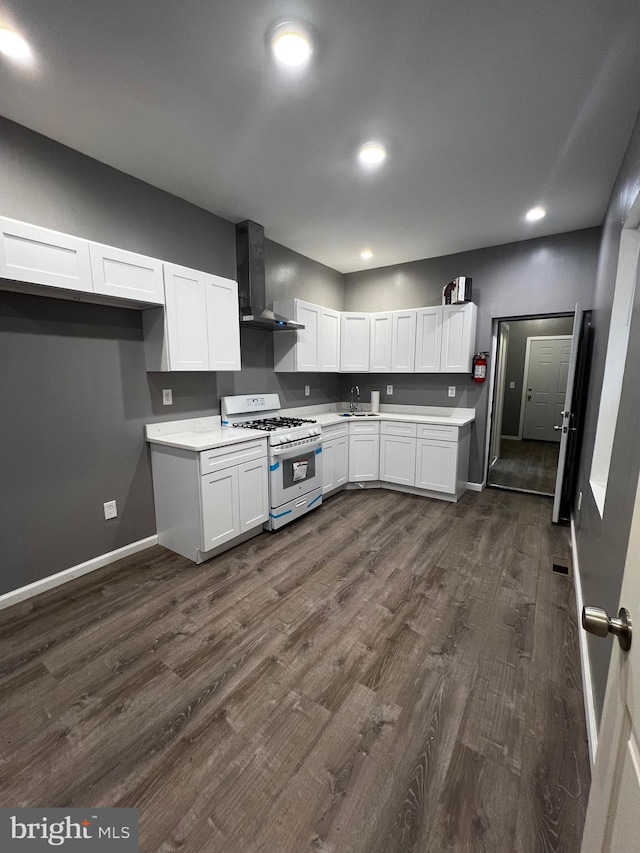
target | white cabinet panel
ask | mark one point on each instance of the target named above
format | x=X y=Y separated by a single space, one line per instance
x=364 y=457
x=126 y=274
x=308 y=345
x=397 y=459
x=220 y=508
x=428 y=339
x=186 y=319
x=253 y=487
x=41 y=256
x=354 y=343
x=458 y=337
x=223 y=323
x=436 y=463
x=403 y=341
x=329 y=344
x=380 y=349
x=335 y=463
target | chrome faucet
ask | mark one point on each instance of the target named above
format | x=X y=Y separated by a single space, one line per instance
x=354 y=397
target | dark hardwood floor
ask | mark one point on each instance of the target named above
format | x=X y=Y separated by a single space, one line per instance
x=391 y=673
x=530 y=465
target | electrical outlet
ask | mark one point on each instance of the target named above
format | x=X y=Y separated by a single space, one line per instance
x=452 y=390
x=512 y=385
x=167 y=397
x=390 y=390
x=579 y=500
x=110 y=510
x=307 y=390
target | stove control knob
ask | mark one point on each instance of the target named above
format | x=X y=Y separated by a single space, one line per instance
x=282 y=439
x=288 y=437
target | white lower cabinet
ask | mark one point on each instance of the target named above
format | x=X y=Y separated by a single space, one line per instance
x=205 y=501
x=364 y=452
x=435 y=465
x=398 y=452
x=335 y=458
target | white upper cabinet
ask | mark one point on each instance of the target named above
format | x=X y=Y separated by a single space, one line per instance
x=354 y=342
x=223 y=323
x=403 y=341
x=126 y=274
x=458 y=337
x=41 y=256
x=314 y=349
x=329 y=343
x=380 y=347
x=428 y=339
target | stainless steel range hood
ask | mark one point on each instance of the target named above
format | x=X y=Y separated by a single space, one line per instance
x=251 y=282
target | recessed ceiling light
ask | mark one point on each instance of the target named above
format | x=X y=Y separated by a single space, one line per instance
x=536 y=213
x=14 y=46
x=366 y=254
x=291 y=44
x=372 y=153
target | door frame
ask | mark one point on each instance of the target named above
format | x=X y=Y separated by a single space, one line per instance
x=525 y=375
x=501 y=377
x=492 y=376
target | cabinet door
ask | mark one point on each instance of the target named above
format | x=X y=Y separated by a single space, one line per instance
x=458 y=337
x=328 y=455
x=428 y=339
x=308 y=343
x=126 y=274
x=186 y=319
x=253 y=486
x=364 y=461
x=220 y=507
x=223 y=323
x=403 y=341
x=341 y=461
x=436 y=463
x=397 y=459
x=354 y=343
x=380 y=350
x=40 y=256
x=329 y=346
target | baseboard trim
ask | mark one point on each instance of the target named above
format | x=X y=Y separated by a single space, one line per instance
x=475 y=487
x=35 y=588
x=587 y=682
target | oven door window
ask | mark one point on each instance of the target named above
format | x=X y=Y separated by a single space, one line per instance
x=297 y=469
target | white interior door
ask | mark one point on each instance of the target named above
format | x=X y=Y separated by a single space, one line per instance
x=567 y=412
x=614 y=800
x=546 y=386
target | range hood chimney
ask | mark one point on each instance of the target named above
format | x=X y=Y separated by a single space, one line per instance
x=251 y=282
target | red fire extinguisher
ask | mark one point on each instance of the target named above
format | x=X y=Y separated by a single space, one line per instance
x=479 y=373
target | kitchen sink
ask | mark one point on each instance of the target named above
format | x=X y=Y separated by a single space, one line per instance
x=360 y=415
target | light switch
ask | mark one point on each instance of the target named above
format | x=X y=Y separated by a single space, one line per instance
x=307 y=390
x=512 y=385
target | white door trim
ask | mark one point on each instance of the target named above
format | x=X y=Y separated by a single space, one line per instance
x=525 y=375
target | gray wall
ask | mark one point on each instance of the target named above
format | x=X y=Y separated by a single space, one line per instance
x=290 y=274
x=543 y=276
x=602 y=543
x=73 y=388
x=519 y=331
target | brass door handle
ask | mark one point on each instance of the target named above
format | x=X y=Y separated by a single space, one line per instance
x=596 y=621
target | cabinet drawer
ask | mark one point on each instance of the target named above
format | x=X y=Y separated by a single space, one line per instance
x=398 y=428
x=336 y=431
x=440 y=433
x=367 y=428
x=224 y=457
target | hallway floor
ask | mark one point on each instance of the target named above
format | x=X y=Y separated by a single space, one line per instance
x=530 y=465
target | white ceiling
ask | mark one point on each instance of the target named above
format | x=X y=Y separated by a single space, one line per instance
x=488 y=108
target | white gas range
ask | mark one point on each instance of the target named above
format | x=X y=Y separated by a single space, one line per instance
x=295 y=454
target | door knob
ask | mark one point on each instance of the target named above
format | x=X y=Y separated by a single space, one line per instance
x=557 y=427
x=596 y=621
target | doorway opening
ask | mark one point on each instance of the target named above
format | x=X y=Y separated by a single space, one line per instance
x=533 y=356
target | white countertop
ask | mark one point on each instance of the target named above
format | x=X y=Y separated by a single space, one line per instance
x=197 y=434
